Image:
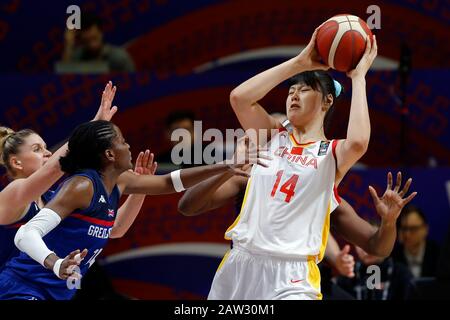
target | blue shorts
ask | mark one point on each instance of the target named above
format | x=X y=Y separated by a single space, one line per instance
x=14 y=288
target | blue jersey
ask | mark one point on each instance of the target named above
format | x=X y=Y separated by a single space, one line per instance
x=89 y=228
x=8 y=249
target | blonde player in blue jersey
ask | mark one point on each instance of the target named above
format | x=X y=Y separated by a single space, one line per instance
x=33 y=170
x=281 y=232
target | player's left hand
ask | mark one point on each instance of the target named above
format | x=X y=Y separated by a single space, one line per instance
x=392 y=202
x=145 y=164
x=366 y=60
x=105 y=112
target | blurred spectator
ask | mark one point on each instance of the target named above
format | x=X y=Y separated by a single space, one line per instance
x=87 y=45
x=435 y=288
x=181 y=119
x=414 y=249
x=395 y=279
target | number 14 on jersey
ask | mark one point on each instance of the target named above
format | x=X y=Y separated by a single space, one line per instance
x=287 y=187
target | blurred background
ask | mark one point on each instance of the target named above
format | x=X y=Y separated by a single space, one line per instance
x=176 y=61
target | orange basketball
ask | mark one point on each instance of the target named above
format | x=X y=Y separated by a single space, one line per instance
x=341 y=41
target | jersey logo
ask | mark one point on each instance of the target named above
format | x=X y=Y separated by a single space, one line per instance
x=295 y=281
x=110 y=213
x=102 y=199
x=323 y=148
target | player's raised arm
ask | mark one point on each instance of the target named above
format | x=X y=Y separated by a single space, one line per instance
x=180 y=180
x=353 y=147
x=377 y=242
x=176 y=181
x=245 y=98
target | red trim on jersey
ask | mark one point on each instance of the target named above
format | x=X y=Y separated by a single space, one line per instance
x=336 y=194
x=101 y=222
x=15 y=225
x=282 y=129
x=333 y=147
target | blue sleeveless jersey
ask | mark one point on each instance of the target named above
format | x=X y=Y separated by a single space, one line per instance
x=8 y=249
x=82 y=229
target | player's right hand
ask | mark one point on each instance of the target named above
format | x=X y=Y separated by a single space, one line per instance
x=309 y=58
x=69 y=263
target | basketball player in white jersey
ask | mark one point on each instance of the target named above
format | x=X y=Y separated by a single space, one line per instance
x=281 y=232
x=215 y=192
x=207 y=196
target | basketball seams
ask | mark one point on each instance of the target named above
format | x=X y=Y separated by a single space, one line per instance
x=328 y=27
x=336 y=40
x=353 y=44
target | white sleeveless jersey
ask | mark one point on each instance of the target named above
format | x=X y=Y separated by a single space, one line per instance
x=286 y=208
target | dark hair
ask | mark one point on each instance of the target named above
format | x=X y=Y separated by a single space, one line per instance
x=179 y=115
x=410 y=209
x=86 y=146
x=89 y=20
x=10 y=143
x=321 y=81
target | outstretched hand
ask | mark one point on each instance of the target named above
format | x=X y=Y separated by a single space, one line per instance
x=72 y=260
x=246 y=154
x=392 y=202
x=105 y=112
x=145 y=164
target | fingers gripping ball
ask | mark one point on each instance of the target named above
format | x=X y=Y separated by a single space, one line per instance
x=341 y=41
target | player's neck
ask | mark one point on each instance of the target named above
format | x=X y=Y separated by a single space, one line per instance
x=109 y=178
x=308 y=133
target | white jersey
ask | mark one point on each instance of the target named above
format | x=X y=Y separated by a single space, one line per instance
x=286 y=208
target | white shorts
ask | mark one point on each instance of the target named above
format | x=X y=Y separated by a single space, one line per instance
x=244 y=275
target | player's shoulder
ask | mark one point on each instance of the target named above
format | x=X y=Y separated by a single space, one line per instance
x=75 y=192
x=78 y=186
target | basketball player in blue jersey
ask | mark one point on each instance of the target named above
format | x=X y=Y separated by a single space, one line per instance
x=34 y=170
x=82 y=213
